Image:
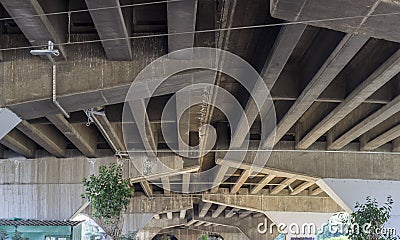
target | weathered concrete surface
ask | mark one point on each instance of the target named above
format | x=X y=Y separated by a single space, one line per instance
x=86 y=80
x=263 y=203
x=319 y=163
x=44 y=188
x=159 y=204
x=351 y=16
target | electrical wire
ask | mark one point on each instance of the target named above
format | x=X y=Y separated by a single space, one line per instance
x=192 y=32
x=91 y=9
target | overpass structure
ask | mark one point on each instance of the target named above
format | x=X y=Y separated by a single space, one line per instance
x=332 y=68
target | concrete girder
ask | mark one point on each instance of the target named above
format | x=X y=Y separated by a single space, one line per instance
x=19 y=143
x=284 y=45
x=368 y=123
x=37 y=29
x=111 y=132
x=46 y=136
x=181 y=19
x=159 y=204
x=83 y=137
x=110 y=24
x=264 y=203
x=310 y=165
x=350 y=16
x=380 y=140
x=389 y=69
x=347 y=48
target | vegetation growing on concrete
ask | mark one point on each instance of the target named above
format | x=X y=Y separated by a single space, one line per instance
x=371 y=219
x=109 y=195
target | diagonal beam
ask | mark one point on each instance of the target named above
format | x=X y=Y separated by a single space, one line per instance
x=244 y=214
x=385 y=137
x=109 y=132
x=264 y=182
x=204 y=209
x=143 y=124
x=110 y=24
x=232 y=212
x=316 y=191
x=45 y=136
x=339 y=58
x=301 y=188
x=282 y=185
x=37 y=27
x=283 y=47
x=367 y=124
x=147 y=188
x=84 y=138
x=19 y=143
x=389 y=69
x=242 y=179
x=218 y=211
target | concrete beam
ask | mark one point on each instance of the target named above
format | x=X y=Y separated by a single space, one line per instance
x=159 y=204
x=264 y=182
x=46 y=136
x=263 y=203
x=380 y=140
x=242 y=179
x=396 y=145
x=110 y=24
x=147 y=188
x=284 y=184
x=182 y=214
x=284 y=45
x=110 y=133
x=350 y=16
x=181 y=18
x=367 y=124
x=87 y=80
x=217 y=212
x=37 y=29
x=166 y=186
x=204 y=207
x=301 y=188
x=232 y=212
x=389 y=69
x=310 y=165
x=347 y=48
x=19 y=143
x=83 y=137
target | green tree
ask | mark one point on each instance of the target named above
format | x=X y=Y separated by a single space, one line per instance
x=109 y=195
x=3 y=235
x=369 y=219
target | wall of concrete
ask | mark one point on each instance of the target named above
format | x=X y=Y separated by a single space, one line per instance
x=44 y=188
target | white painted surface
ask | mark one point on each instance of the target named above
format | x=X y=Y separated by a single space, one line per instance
x=8 y=121
x=351 y=191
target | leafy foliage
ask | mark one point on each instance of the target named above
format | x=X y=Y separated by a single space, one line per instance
x=18 y=236
x=369 y=219
x=109 y=195
x=3 y=234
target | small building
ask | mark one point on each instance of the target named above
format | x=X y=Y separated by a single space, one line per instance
x=40 y=229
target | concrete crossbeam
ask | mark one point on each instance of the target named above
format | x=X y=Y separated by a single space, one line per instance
x=262 y=203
